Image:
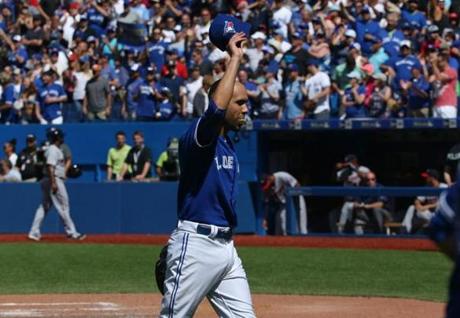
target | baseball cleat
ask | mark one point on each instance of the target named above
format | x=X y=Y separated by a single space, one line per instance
x=35 y=238
x=79 y=237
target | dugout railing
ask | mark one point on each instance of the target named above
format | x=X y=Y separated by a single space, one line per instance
x=337 y=191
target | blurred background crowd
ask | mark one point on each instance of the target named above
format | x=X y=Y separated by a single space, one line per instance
x=109 y=60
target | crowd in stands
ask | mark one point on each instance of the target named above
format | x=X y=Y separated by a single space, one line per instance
x=114 y=60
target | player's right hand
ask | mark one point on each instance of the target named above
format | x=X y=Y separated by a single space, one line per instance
x=236 y=44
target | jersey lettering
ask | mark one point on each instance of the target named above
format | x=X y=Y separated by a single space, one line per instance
x=227 y=162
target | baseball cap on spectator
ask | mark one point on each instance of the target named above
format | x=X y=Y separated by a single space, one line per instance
x=172 y=51
x=83 y=17
x=296 y=35
x=407 y=26
x=91 y=39
x=316 y=19
x=453 y=16
x=406 y=43
x=366 y=10
x=431 y=173
x=356 y=46
x=354 y=74
x=74 y=6
x=54 y=51
x=30 y=137
x=259 y=35
x=16 y=71
x=432 y=28
x=151 y=69
x=223 y=27
x=293 y=67
x=17 y=38
x=350 y=33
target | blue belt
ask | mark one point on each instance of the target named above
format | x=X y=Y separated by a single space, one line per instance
x=221 y=234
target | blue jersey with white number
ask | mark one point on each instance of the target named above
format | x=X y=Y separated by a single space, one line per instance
x=209 y=172
x=52 y=110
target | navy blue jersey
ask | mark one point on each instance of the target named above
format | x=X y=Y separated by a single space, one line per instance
x=446 y=221
x=209 y=172
x=446 y=224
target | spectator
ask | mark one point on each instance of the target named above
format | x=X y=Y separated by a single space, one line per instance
x=317 y=89
x=201 y=100
x=138 y=161
x=52 y=95
x=293 y=108
x=7 y=173
x=203 y=63
x=97 y=103
x=380 y=96
x=167 y=165
x=445 y=100
x=165 y=109
x=27 y=160
x=9 y=148
x=29 y=113
x=270 y=96
x=255 y=54
x=146 y=97
x=117 y=156
x=176 y=86
x=353 y=97
x=296 y=55
x=418 y=91
x=419 y=214
x=275 y=185
x=192 y=87
x=82 y=76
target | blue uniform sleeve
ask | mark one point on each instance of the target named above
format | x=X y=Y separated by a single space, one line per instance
x=442 y=224
x=61 y=90
x=8 y=95
x=209 y=125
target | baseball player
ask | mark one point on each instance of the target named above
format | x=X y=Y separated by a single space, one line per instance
x=277 y=183
x=53 y=189
x=201 y=260
x=444 y=229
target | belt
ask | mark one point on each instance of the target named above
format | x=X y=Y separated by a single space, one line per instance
x=207 y=230
x=210 y=231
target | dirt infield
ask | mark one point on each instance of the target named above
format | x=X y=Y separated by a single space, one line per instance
x=267 y=306
x=392 y=243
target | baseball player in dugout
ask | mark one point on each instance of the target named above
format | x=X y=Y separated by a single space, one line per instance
x=200 y=259
x=53 y=188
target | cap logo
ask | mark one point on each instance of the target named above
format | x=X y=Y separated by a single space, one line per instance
x=229 y=27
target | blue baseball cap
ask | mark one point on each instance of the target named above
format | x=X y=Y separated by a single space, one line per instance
x=293 y=67
x=313 y=61
x=223 y=27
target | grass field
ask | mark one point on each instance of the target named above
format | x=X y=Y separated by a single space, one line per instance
x=80 y=268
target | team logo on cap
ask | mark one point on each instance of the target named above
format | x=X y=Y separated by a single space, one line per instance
x=229 y=27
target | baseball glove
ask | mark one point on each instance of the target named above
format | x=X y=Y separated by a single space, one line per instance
x=160 y=269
